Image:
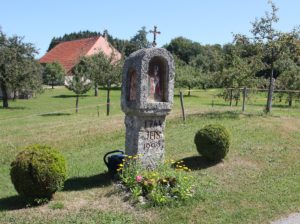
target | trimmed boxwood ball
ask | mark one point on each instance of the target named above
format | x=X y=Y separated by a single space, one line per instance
x=213 y=142
x=38 y=172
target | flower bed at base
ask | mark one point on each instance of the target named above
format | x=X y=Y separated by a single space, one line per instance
x=169 y=183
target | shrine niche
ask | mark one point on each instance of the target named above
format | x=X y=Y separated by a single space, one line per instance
x=156 y=80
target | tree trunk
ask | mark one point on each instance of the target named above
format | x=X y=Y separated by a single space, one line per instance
x=189 y=94
x=230 y=98
x=15 y=95
x=77 y=99
x=290 y=99
x=52 y=84
x=270 y=92
x=96 y=89
x=4 y=95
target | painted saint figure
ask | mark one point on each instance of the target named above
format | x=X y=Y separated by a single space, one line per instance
x=154 y=85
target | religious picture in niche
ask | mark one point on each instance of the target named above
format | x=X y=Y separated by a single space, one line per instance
x=155 y=84
x=132 y=89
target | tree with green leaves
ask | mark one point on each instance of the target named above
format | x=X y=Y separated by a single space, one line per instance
x=138 y=41
x=184 y=49
x=103 y=70
x=288 y=66
x=270 y=47
x=54 y=73
x=242 y=65
x=209 y=59
x=266 y=36
x=189 y=77
x=80 y=82
x=19 y=71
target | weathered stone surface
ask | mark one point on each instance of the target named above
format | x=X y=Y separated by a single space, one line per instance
x=147 y=97
x=139 y=63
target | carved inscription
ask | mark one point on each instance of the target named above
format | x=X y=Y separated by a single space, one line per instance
x=153 y=140
x=152 y=123
x=153 y=137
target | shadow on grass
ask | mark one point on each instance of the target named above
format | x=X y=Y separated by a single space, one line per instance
x=13 y=108
x=187 y=96
x=83 y=183
x=220 y=115
x=111 y=88
x=12 y=203
x=68 y=96
x=54 y=114
x=198 y=162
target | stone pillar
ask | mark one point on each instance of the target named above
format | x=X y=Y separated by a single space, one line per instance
x=147 y=97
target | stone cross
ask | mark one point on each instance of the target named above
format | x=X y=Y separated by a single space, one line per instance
x=154 y=35
x=147 y=97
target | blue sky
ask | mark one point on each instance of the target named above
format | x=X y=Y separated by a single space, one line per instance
x=204 y=21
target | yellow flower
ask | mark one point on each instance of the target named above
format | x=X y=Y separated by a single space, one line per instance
x=120 y=165
x=129 y=157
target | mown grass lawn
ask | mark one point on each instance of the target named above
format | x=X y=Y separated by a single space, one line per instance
x=258 y=181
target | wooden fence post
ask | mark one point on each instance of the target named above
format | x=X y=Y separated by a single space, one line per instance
x=108 y=100
x=244 y=98
x=182 y=106
x=230 y=103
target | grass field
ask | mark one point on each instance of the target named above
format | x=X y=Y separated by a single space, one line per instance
x=257 y=182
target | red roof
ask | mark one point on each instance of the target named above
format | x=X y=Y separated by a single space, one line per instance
x=68 y=53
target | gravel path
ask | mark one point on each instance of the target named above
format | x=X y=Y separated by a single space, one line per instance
x=291 y=219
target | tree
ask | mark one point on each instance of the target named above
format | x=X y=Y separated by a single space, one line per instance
x=53 y=73
x=210 y=59
x=242 y=65
x=290 y=80
x=138 y=41
x=80 y=83
x=270 y=44
x=265 y=35
x=184 y=48
x=288 y=66
x=103 y=70
x=18 y=69
x=189 y=77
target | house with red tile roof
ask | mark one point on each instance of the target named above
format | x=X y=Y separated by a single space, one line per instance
x=68 y=53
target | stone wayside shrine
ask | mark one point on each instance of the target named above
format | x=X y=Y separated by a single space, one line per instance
x=147 y=97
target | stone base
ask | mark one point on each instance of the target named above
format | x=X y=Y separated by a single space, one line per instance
x=145 y=136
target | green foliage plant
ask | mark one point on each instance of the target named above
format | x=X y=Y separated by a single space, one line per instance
x=80 y=82
x=54 y=73
x=213 y=142
x=38 y=172
x=169 y=183
x=19 y=71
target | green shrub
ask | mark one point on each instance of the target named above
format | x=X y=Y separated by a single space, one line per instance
x=212 y=142
x=38 y=172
